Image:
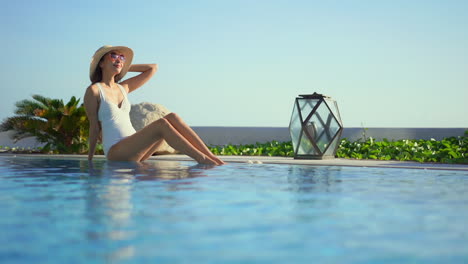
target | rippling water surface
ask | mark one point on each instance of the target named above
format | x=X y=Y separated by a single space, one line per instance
x=55 y=210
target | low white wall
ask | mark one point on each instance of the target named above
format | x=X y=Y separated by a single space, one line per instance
x=355 y=133
x=252 y=135
x=7 y=141
x=241 y=135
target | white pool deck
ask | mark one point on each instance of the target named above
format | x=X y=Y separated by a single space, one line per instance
x=285 y=160
x=326 y=162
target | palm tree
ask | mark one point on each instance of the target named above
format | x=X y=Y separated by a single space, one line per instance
x=63 y=127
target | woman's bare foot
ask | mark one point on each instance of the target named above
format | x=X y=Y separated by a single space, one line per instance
x=206 y=160
x=218 y=160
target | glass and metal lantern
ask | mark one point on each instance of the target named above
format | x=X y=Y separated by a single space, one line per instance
x=315 y=127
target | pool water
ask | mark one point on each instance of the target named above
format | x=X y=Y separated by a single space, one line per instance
x=56 y=210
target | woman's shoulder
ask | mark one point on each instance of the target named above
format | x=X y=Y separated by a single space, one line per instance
x=92 y=91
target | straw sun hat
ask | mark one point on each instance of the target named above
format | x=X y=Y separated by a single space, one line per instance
x=103 y=51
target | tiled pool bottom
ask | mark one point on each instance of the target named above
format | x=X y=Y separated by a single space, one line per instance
x=56 y=210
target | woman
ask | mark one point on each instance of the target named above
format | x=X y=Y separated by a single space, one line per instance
x=108 y=108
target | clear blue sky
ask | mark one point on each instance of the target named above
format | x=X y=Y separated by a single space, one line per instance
x=388 y=63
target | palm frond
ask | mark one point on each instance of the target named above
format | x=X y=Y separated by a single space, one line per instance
x=73 y=102
x=56 y=103
x=7 y=124
x=19 y=135
x=63 y=127
x=42 y=99
x=22 y=126
x=27 y=107
x=15 y=122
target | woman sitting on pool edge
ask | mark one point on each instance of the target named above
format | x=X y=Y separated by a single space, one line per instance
x=108 y=108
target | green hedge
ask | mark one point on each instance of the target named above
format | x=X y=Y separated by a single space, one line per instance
x=274 y=148
x=448 y=150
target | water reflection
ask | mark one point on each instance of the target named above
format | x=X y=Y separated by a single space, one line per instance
x=110 y=203
x=109 y=198
x=48 y=170
x=150 y=170
x=315 y=190
x=307 y=179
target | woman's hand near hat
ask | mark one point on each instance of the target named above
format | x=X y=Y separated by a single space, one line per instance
x=147 y=71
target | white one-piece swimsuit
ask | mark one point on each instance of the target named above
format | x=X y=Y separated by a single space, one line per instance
x=115 y=120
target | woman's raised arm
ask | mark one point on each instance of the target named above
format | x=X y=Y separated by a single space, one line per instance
x=147 y=71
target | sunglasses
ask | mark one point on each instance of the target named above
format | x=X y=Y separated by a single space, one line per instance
x=115 y=56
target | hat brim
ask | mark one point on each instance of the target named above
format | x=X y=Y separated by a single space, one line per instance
x=103 y=51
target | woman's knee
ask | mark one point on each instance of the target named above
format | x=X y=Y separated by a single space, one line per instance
x=173 y=117
x=160 y=122
x=160 y=125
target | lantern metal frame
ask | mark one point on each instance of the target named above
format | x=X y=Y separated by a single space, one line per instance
x=326 y=125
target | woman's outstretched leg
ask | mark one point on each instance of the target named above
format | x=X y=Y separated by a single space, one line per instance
x=152 y=149
x=187 y=132
x=136 y=146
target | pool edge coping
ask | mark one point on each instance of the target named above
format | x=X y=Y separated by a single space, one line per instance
x=285 y=161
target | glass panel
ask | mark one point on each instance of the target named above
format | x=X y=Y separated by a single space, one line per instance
x=322 y=126
x=295 y=127
x=334 y=108
x=306 y=147
x=331 y=149
x=306 y=106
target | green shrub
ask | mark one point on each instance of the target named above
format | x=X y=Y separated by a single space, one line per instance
x=62 y=127
x=448 y=150
x=273 y=148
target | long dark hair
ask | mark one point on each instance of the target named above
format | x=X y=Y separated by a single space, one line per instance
x=97 y=75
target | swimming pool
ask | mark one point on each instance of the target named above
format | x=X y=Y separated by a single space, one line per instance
x=56 y=210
